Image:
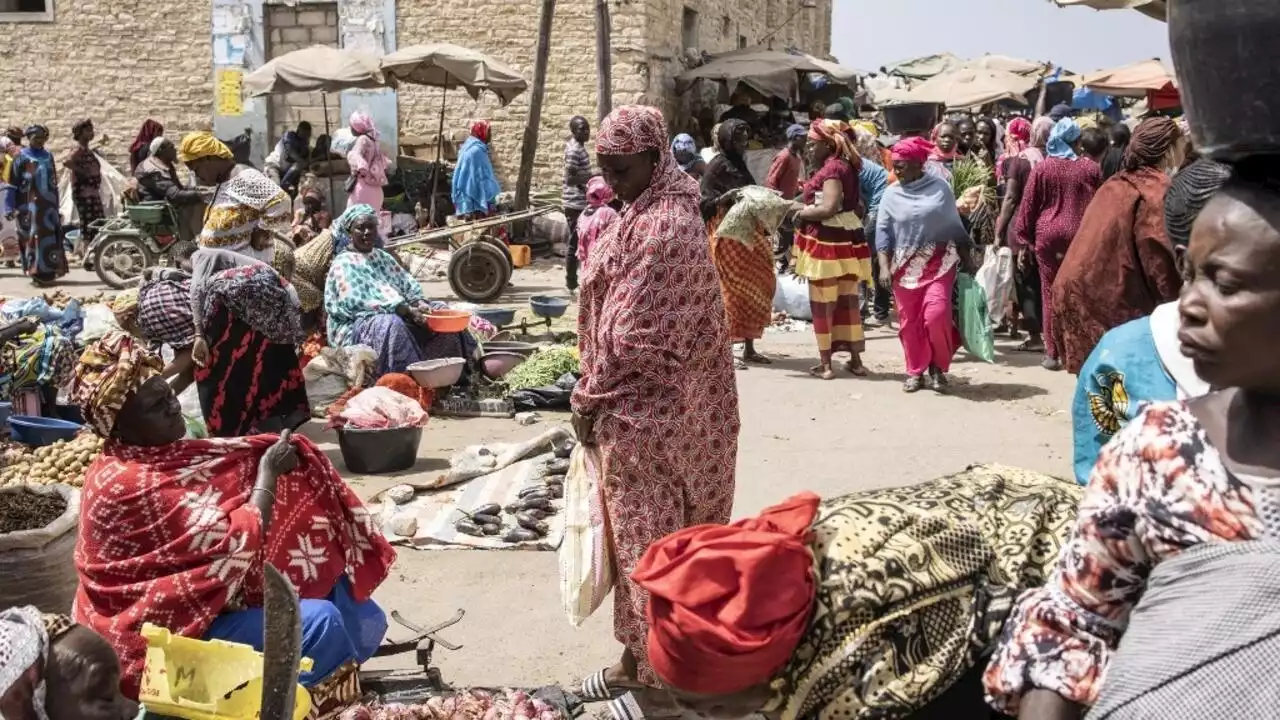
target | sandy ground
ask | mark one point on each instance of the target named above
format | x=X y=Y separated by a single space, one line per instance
x=798 y=433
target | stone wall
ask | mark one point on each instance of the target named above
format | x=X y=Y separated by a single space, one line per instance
x=116 y=61
x=288 y=28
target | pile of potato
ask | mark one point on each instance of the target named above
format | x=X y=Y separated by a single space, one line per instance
x=62 y=462
x=60 y=299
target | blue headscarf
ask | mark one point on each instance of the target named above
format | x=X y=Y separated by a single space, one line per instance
x=1065 y=132
x=342 y=226
x=683 y=144
x=475 y=186
x=796 y=131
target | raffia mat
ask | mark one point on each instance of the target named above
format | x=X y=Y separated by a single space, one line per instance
x=437 y=511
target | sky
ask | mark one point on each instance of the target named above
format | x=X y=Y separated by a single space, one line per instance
x=867 y=34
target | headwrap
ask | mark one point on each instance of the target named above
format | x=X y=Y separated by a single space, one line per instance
x=80 y=126
x=150 y=131
x=1087 y=122
x=1190 y=191
x=913 y=150
x=125 y=305
x=715 y=138
x=1017 y=136
x=110 y=370
x=13 y=131
x=867 y=144
x=34 y=130
x=599 y=193
x=156 y=144
x=938 y=153
x=361 y=123
x=1065 y=133
x=1150 y=142
x=1060 y=111
x=836 y=111
x=342 y=226
x=724 y=140
x=795 y=131
x=480 y=131
x=1041 y=129
x=849 y=106
x=635 y=129
x=199 y=145
x=729 y=603
x=685 y=144
x=25 y=637
x=836 y=132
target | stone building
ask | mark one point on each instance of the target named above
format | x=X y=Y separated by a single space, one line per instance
x=180 y=61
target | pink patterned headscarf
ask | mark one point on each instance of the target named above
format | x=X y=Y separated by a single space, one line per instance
x=638 y=128
x=1017 y=136
x=362 y=124
x=599 y=193
x=913 y=150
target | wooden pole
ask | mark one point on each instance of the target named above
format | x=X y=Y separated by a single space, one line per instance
x=604 y=61
x=530 y=148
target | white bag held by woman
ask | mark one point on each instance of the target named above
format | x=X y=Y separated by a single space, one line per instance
x=996 y=278
x=586 y=555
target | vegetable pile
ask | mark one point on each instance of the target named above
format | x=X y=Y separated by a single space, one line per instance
x=470 y=705
x=971 y=175
x=25 y=510
x=544 y=368
x=62 y=462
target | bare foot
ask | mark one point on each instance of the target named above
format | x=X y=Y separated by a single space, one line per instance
x=857 y=368
x=823 y=372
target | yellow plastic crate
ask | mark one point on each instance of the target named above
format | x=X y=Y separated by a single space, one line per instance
x=206 y=679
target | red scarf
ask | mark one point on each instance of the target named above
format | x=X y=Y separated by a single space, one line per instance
x=167 y=536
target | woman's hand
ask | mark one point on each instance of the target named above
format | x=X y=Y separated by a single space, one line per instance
x=1024 y=259
x=584 y=426
x=729 y=198
x=280 y=458
x=200 y=352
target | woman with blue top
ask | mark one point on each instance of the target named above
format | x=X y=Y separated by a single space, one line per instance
x=475 y=186
x=1140 y=362
x=918 y=237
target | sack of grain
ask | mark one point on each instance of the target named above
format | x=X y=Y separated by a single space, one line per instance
x=37 y=563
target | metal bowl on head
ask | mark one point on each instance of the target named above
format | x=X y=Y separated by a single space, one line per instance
x=437 y=373
x=497 y=363
x=498 y=317
x=448 y=321
x=546 y=306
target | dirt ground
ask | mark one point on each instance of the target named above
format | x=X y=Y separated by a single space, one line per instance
x=798 y=433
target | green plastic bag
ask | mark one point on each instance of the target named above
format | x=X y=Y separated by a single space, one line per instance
x=971 y=318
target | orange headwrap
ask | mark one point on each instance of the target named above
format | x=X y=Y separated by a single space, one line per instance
x=729 y=603
x=838 y=133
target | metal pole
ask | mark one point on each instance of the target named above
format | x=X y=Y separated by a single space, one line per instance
x=604 y=61
x=530 y=148
x=324 y=102
x=435 y=172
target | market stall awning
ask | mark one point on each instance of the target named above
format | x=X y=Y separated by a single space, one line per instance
x=923 y=68
x=772 y=73
x=318 y=68
x=969 y=88
x=1134 y=80
x=449 y=66
x=1157 y=9
x=1005 y=63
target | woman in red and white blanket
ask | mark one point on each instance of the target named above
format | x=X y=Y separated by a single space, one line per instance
x=175 y=532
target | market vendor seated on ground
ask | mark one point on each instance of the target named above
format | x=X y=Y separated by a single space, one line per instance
x=54 y=669
x=370 y=299
x=825 y=609
x=154 y=547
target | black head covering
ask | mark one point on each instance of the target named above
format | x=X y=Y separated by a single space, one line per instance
x=726 y=171
x=80 y=126
x=1190 y=191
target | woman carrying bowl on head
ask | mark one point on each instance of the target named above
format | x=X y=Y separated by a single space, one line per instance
x=371 y=300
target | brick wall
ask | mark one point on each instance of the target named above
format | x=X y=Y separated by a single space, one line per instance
x=116 y=61
x=288 y=28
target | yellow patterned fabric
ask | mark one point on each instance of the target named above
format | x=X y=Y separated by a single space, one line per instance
x=109 y=370
x=199 y=145
x=915 y=585
x=241 y=205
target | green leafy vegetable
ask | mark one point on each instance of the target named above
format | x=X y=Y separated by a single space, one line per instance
x=544 y=368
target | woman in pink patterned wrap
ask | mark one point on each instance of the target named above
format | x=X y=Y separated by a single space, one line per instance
x=657 y=396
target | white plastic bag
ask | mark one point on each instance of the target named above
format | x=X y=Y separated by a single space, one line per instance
x=192 y=413
x=98 y=321
x=996 y=278
x=791 y=296
x=335 y=371
x=586 y=553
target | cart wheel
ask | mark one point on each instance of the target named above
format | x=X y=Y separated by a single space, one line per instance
x=479 y=272
x=500 y=245
x=120 y=260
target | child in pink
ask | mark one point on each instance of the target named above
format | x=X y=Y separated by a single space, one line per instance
x=596 y=218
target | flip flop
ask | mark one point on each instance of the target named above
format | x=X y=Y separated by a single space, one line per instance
x=625 y=708
x=596 y=689
x=1025 y=347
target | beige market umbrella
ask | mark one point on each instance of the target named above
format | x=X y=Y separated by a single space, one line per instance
x=318 y=68
x=1005 y=63
x=1134 y=80
x=772 y=73
x=970 y=87
x=1157 y=9
x=449 y=66
x=923 y=68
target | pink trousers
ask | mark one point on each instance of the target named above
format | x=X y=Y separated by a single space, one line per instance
x=926 y=329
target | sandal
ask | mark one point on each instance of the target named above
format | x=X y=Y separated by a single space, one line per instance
x=1030 y=345
x=596 y=689
x=913 y=384
x=1051 y=364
